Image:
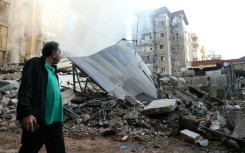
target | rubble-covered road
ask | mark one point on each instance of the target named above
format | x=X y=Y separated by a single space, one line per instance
x=183 y=119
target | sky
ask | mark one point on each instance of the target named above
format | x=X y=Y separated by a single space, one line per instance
x=95 y=24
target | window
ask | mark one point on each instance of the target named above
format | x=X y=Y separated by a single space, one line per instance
x=162 y=58
x=161 y=35
x=156 y=55
x=161 y=46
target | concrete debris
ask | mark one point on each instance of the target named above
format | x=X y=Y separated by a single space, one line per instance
x=190 y=136
x=239 y=131
x=179 y=110
x=9 y=86
x=203 y=143
x=160 y=106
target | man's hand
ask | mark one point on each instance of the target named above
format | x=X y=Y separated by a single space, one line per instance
x=29 y=122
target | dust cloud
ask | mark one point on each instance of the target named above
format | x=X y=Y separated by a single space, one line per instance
x=86 y=27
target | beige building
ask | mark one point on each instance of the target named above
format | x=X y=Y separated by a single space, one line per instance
x=25 y=25
x=162 y=40
x=4 y=26
x=196 y=50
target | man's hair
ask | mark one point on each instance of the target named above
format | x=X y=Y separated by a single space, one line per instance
x=49 y=47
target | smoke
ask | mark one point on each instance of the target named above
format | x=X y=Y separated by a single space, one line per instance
x=85 y=27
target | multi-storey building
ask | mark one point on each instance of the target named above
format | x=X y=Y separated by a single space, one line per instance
x=196 y=50
x=162 y=40
x=4 y=26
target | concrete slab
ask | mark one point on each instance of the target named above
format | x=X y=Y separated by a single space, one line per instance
x=161 y=106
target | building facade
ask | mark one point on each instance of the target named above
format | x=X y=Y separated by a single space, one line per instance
x=32 y=24
x=162 y=40
x=4 y=28
x=196 y=50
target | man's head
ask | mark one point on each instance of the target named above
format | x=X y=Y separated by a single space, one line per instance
x=51 y=50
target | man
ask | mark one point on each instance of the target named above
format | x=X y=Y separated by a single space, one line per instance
x=40 y=108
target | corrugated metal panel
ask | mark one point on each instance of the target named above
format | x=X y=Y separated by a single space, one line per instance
x=118 y=71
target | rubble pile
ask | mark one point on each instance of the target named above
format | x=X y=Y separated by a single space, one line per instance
x=11 y=71
x=182 y=110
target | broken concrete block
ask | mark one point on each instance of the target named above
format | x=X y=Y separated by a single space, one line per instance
x=164 y=80
x=239 y=131
x=203 y=143
x=232 y=107
x=189 y=136
x=6 y=110
x=124 y=138
x=116 y=124
x=6 y=116
x=221 y=119
x=14 y=102
x=160 y=106
x=131 y=117
x=9 y=85
x=5 y=101
x=215 y=125
x=130 y=100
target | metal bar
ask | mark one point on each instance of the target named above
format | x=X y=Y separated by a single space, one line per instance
x=74 y=81
x=226 y=135
x=78 y=80
x=86 y=84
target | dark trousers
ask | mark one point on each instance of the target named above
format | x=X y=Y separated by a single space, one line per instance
x=50 y=135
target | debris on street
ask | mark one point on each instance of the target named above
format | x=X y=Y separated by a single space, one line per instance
x=95 y=103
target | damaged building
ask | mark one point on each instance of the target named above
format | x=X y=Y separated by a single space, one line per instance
x=161 y=39
x=196 y=49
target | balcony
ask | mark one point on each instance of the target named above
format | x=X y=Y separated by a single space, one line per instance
x=146 y=42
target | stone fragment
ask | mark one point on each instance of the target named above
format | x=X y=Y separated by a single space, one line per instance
x=124 y=138
x=5 y=101
x=239 y=131
x=160 y=106
x=116 y=123
x=189 y=136
x=203 y=143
